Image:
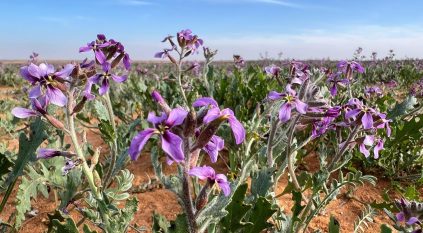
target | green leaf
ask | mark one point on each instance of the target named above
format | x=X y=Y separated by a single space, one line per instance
x=101 y=111
x=403 y=108
x=333 y=225
x=237 y=210
x=87 y=229
x=106 y=130
x=73 y=180
x=27 y=148
x=385 y=229
x=259 y=215
x=160 y=224
x=180 y=225
x=68 y=226
x=261 y=182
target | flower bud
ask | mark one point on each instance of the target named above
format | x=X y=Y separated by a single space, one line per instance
x=162 y=103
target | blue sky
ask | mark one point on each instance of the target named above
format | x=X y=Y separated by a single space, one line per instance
x=300 y=29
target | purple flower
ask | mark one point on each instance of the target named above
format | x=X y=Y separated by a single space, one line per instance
x=272 y=70
x=105 y=50
x=164 y=53
x=205 y=101
x=382 y=122
x=189 y=41
x=239 y=61
x=345 y=66
x=361 y=113
x=236 y=126
x=335 y=80
x=291 y=101
x=410 y=212
x=369 y=140
x=103 y=79
x=48 y=153
x=213 y=147
x=321 y=127
x=171 y=143
x=47 y=82
x=39 y=108
x=373 y=90
x=69 y=165
x=208 y=173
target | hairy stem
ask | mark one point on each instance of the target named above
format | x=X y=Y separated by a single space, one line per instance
x=186 y=189
x=114 y=149
x=85 y=169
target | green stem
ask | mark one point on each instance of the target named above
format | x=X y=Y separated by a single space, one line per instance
x=114 y=148
x=85 y=169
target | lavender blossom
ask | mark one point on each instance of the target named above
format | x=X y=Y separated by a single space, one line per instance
x=410 y=212
x=272 y=70
x=171 y=143
x=239 y=61
x=103 y=78
x=344 y=66
x=214 y=112
x=47 y=82
x=373 y=90
x=362 y=113
x=291 y=101
x=208 y=173
x=335 y=80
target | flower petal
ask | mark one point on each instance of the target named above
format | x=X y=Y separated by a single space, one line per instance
x=104 y=87
x=378 y=147
x=204 y=172
x=65 y=72
x=205 y=101
x=211 y=115
x=23 y=112
x=119 y=79
x=273 y=95
x=176 y=117
x=139 y=141
x=237 y=129
x=45 y=153
x=352 y=113
x=35 y=92
x=99 y=55
x=56 y=96
x=364 y=150
x=367 y=120
x=223 y=183
x=152 y=118
x=301 y=106
x=285 y=112
x=172 y=145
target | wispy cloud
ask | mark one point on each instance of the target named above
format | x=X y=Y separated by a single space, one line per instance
x=279 y=2
x=134 y=2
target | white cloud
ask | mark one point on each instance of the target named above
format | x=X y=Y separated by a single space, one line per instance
x=134 y=2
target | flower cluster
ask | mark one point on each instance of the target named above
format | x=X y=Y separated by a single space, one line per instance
x=188 y=44
x=411 y=213
x=108 y=54
x=177 y=126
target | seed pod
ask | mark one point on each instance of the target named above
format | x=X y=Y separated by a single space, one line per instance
x=190 y=124
x=94 y=159
x=315 y=114
x=194 y=158
x=172 y=59
x=317 y=103
x=304 y=89
x=202 y=198
x=55 y=122
x=80 y=105
x=207 y=133
x=116 y=61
